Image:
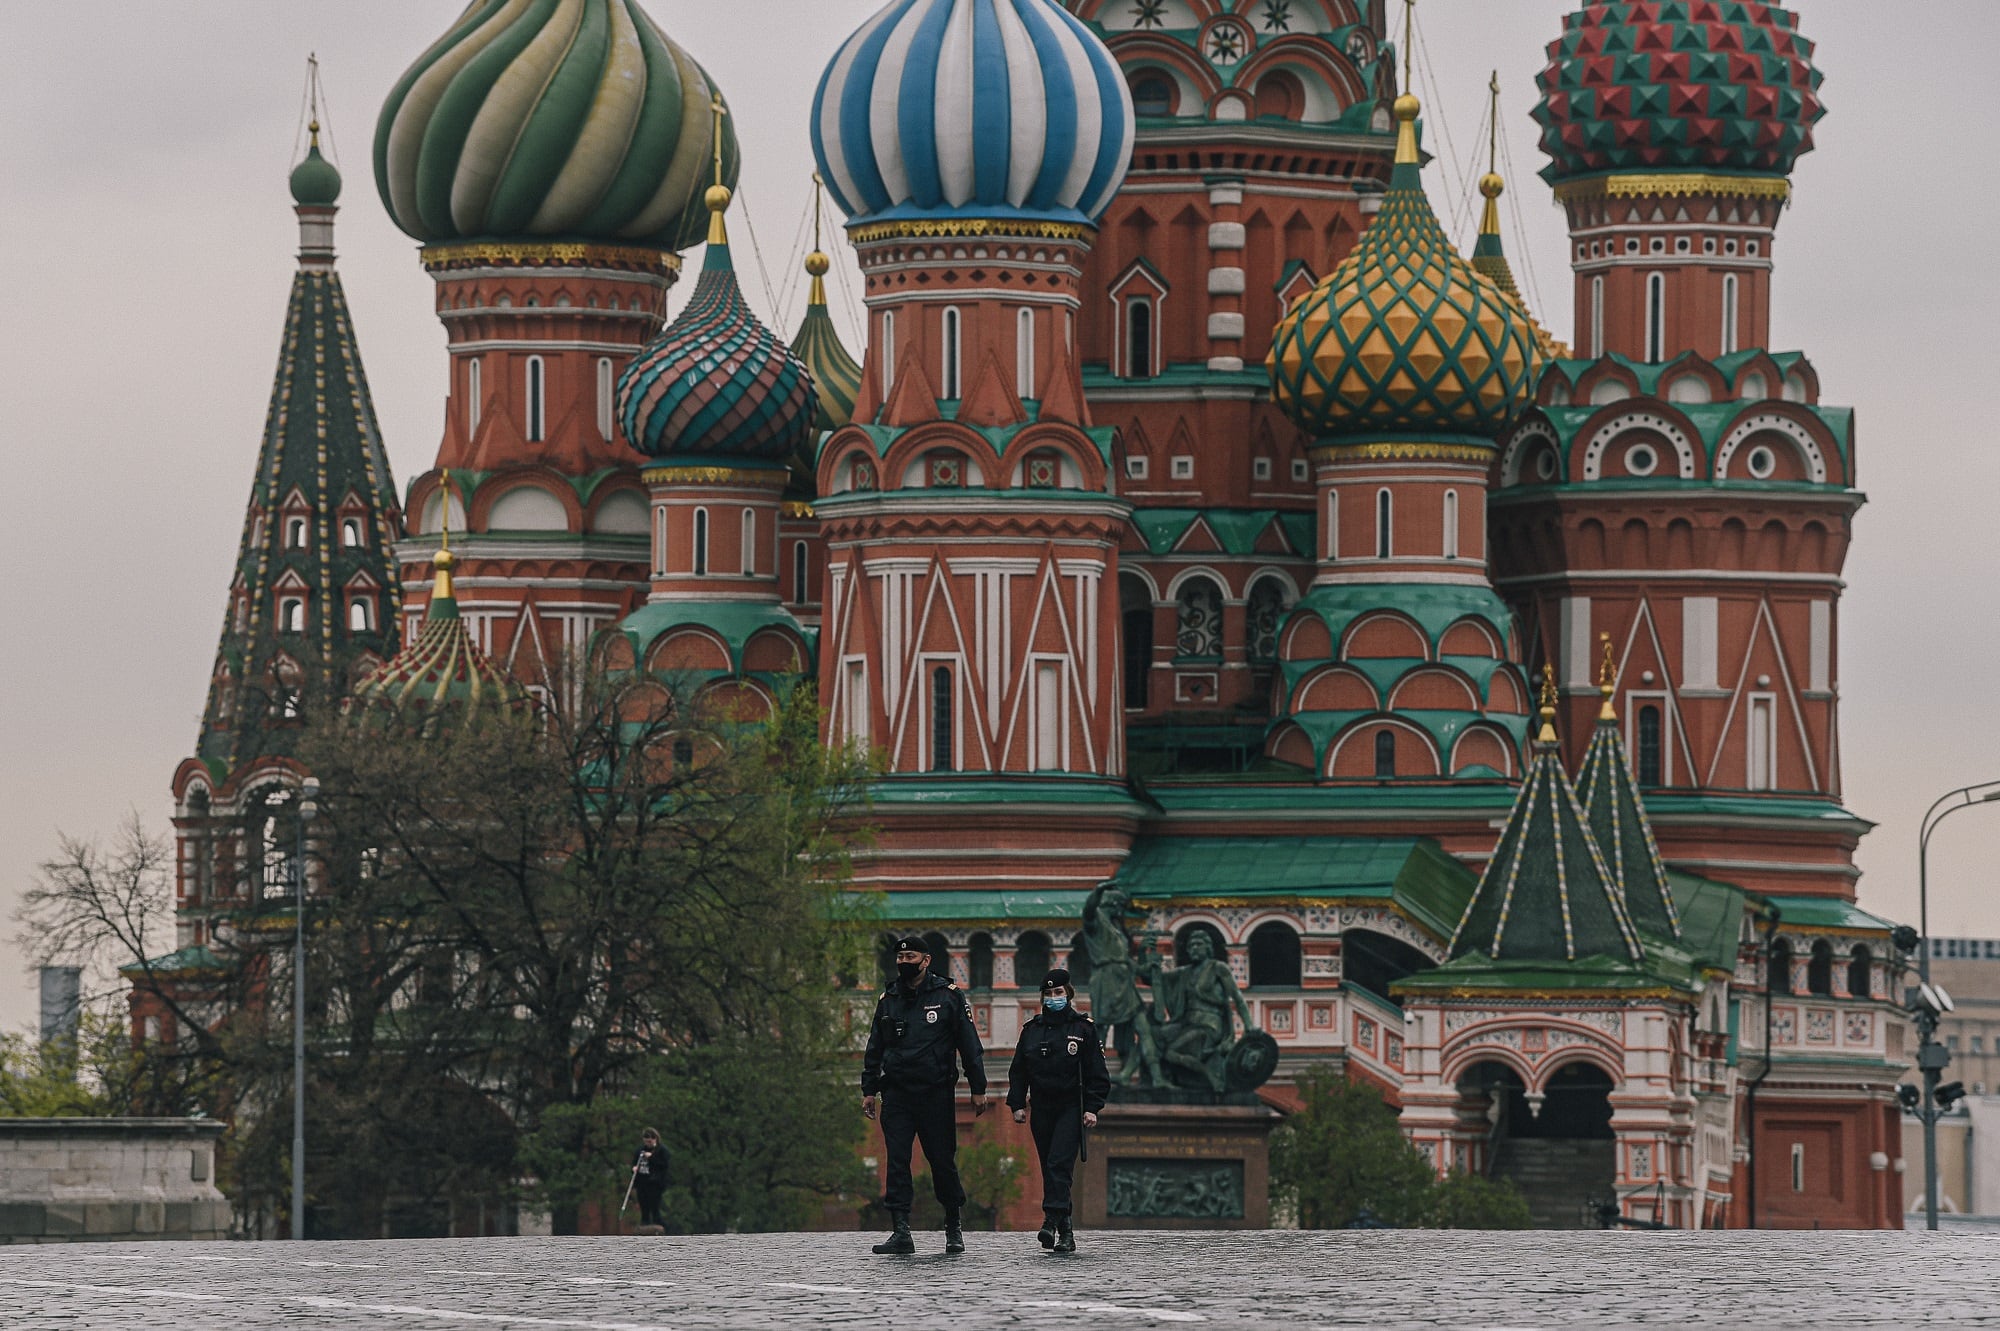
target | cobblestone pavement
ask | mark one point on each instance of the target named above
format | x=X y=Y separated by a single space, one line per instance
x=1499 y=1282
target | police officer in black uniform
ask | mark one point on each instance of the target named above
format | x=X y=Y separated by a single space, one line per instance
x=923 y=1029
x=1056 y=1084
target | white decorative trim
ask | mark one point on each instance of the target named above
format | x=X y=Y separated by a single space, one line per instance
x=1779 y=424
x=1593 y=456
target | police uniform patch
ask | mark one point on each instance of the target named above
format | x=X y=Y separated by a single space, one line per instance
x=1073 y=1046
x=930 y=1015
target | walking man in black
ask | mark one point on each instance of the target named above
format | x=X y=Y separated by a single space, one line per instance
x=1056 y=1084
x=923 y=1031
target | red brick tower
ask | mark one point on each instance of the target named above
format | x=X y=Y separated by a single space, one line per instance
x=550 y=209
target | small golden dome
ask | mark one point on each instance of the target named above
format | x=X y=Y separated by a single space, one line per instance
x=1407 y=107
x=717 y=198
x=1491 y=185
x=818 y=264
x=444 y=561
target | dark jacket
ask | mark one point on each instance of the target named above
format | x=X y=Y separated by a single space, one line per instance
x=652 y=1175
x=1059 y=1058
x=917 y=1035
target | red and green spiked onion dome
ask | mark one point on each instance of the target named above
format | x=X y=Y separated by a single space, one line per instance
x=717 y=385
x=1404 y=335
x=542 y=120
x=1677 y=86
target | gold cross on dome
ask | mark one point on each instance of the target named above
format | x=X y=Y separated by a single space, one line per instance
x=716 y=107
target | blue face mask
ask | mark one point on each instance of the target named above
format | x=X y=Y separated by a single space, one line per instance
x=1055 y=1002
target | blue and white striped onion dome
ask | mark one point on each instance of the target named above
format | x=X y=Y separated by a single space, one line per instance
x=1000 y=109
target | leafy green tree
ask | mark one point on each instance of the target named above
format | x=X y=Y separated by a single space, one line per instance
x=1468 y=1201
x=1341 y=1154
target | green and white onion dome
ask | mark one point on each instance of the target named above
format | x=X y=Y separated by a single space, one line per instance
x=551 y=120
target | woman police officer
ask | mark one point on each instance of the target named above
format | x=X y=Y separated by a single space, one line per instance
x=1056 y=1084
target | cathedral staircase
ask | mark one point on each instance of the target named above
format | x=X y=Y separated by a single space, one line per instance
x=1558 y=1177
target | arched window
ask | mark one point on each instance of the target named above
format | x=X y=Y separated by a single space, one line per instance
x=948 y=382
x=1451 y=524
x=888 y=351
x=537 y=407
x=940 y=950
x=292 y=615
x=1656 y=316
x=1333 y=524
x=1031 y=959
x=683 y=753
x=1263 y=615
x=1596 y=317
x=1778 y=973
x=1385 y=518
x=1728 y=313
x=1138 y=338
x=1385 y=753
x=357 y=615
x=800 y=592
x=979 y=961
x=660 y=541
x=1861 y=972
x=472 y=396
x=295 y=533
x=604 y=395
x=352 y=534
x=701 y=542
x=1649 y=746
x=1079 y=961
x=1152 y=95
x=1275 y=956
x=943 y=703
x=1819 y=969
x=1200 y=619
x=1024 y=351
x=749 y=542
x=1135 y=623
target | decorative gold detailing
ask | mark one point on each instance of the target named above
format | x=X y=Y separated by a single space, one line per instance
x=763 y=478
x=1426 y=452
x=718 y=195
x=1547 y=734
x=817 y=262
x=564 y=254
x=1491 y=186
x=796 y=508
x=969 y=226
x=1673 y=185
x=1607 y=680
x=444 y=561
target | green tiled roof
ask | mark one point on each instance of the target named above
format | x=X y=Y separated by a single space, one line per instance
x=979 y=905
x=179 y=962
x=1236 y=529
x=1618 y=820
x=1711 y=916
x=1001 y=437
x=736 y=622
x=1826 y=913
x=1410 y=873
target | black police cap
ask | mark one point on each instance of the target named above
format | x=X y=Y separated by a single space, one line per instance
x=1055 y=979
x=913 y=944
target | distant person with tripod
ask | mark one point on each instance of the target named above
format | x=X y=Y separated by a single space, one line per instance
x=1056 y=1085
x=649 y=1177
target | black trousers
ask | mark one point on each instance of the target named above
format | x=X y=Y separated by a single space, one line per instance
x=649 y=1204
x=1058 y=1129
x=930 y=1117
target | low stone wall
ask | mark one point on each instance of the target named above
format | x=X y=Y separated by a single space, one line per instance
x=106 y=1180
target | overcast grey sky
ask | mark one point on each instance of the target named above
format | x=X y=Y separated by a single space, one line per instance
x=147 y=244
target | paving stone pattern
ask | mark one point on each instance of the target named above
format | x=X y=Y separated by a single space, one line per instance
x=1376 y=1280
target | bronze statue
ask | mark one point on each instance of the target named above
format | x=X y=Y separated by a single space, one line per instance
x=1115 y=1004
x=1197 y=1000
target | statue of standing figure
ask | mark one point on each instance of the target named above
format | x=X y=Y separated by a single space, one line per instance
x=1115 y=1004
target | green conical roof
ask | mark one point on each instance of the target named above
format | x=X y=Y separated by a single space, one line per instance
x=1547 y=893
x=1618 y=821
x=319 y=532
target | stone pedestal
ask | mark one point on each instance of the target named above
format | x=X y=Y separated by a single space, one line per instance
x=1179 y=1166
x=103 y=1180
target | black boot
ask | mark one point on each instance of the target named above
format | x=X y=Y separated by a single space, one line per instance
x=1065 y=1236
x=1047 y=1237
x=899 y=1243
x=954 y=1231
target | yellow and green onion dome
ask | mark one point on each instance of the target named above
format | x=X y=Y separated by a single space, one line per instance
x=315 y=181
x=835 y=373
x=1698 y=86
x=717 y=385
x=1404 y=335
x=542 y=120
x=443 y=669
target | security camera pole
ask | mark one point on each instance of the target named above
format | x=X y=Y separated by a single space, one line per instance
x=1927 y=1003
x=308 y=809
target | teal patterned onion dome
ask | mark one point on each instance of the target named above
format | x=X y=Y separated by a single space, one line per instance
x=551 y=119
x=717 y=385
x=315 y=181
x=1678 y=85
x=1404 y=335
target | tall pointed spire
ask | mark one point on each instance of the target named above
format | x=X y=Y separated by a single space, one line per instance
x=1489 y=256
x=1618 y=817
x=1547 y=893
x=316 y=598
x=835 y=373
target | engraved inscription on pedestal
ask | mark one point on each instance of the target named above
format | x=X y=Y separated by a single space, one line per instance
x=1177 y=1189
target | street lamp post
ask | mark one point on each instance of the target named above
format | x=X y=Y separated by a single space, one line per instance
x=308 y=810
x=1924 y=1002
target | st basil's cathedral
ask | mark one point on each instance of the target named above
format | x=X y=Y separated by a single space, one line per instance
x=1198 y=518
